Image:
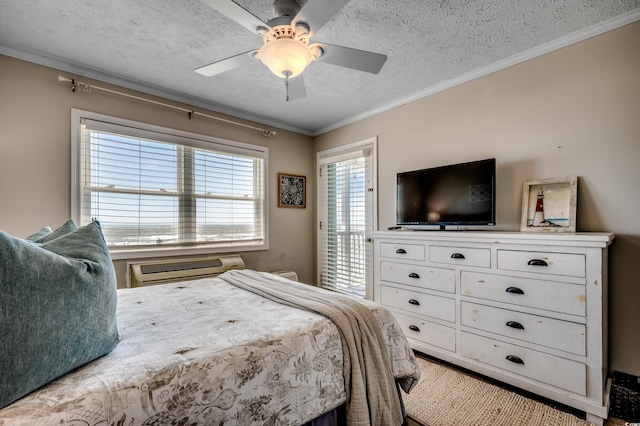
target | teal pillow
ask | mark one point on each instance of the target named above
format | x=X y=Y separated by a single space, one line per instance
x=39 y=235
x=57 y=307
x=45 y=234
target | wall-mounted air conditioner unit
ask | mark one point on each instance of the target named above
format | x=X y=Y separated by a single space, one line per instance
x=287 y=274
x=183 y=269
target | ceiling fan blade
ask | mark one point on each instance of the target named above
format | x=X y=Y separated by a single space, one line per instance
x=227 y=64
x=316 y=13
x=296 y=89
x=351 y=58
x=237 y=13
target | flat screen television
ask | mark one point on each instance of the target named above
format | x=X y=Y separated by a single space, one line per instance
x=456 y=194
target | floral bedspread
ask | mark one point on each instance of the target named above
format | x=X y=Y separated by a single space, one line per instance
x=207 y=352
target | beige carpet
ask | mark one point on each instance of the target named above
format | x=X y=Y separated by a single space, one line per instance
x=446 y=396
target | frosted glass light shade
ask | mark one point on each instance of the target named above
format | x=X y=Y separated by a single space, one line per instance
x=285 y=55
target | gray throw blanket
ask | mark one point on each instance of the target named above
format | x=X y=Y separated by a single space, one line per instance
x=372 y=396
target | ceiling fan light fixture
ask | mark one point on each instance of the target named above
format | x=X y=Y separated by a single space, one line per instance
x=285 y=57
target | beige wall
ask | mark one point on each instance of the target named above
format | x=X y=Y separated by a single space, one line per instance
x=35 y=159
x=573 y=112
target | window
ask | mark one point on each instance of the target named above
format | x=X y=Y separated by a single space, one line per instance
x=346 y=218
x=154 y=188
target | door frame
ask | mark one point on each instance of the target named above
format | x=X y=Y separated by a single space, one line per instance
x=370 y=143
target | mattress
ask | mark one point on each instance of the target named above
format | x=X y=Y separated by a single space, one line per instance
x=208 y=352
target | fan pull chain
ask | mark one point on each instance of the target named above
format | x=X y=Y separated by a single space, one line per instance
x=286 y=82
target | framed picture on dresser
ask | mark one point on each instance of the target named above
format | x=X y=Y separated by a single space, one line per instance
x=549 y=205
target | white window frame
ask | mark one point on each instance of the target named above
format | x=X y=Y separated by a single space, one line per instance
x=194 y=140
x=338 y=154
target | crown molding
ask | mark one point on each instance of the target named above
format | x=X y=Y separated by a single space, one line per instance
x=532 y=53
x=88 y=72
x=140 y=86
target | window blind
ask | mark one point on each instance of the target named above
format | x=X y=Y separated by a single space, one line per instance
x=345 y=224
x=156 y=189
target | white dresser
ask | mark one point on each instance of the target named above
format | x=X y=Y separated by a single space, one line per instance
x=529 y=310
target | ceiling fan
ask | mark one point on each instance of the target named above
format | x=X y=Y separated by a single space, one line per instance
x=286 y=49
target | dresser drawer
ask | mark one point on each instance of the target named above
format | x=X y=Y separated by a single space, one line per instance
x=419 y=276
x=565 y=264
x=427 y=332
x=560 y=372
x=460 y=256
x=419 y=303
x=562 y=335
x=549 y=295
x=403 y=251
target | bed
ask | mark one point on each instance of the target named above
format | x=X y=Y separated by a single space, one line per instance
x=243 y=348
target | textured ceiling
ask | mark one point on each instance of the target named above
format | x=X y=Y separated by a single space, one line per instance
x=155 y=45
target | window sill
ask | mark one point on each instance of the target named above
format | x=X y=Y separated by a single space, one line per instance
x=146 y=253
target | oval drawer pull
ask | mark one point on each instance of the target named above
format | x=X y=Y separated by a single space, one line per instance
x=414 y=302
x=413 y=328
x=514 y=324
x=414 y=275
x=537 y=262
x=457 y=256
x=401 y=251
x=514 y=290
x=515 y=359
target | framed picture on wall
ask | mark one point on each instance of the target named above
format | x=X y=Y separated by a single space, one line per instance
x=549 y=205
x=292 y=191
